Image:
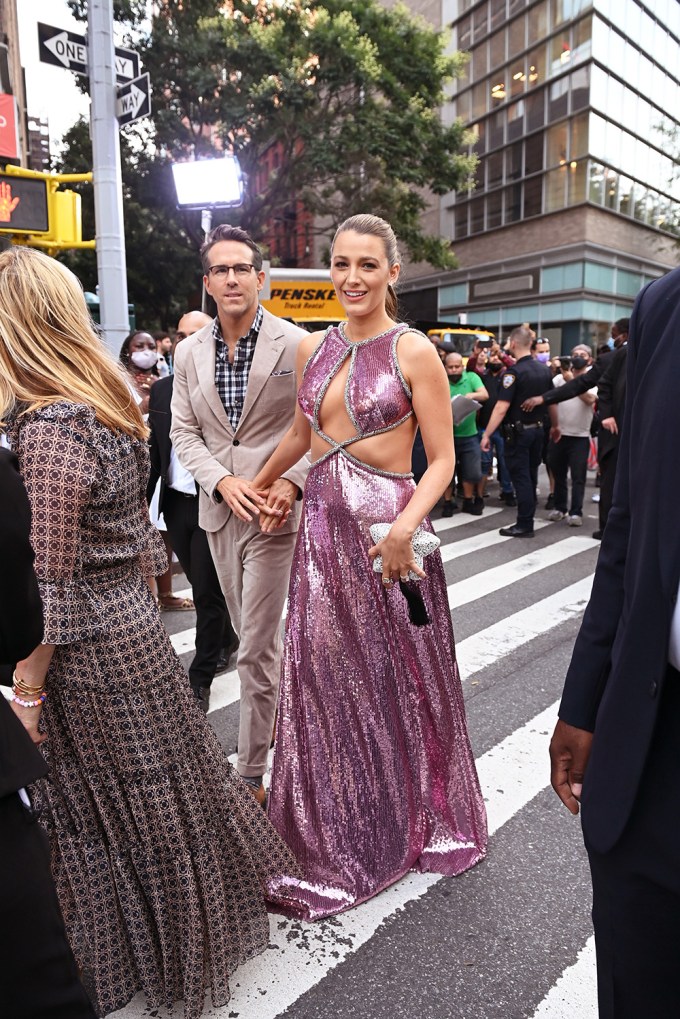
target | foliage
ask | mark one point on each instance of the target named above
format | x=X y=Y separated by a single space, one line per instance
x=345 y=96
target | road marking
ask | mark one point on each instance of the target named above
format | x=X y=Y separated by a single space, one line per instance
x=506 y=635
x=482 y=584
x=300 y=954
x=575 y=993
x=446 y=523
x=476 y=542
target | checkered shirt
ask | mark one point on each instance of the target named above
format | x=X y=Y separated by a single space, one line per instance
x=231 y=380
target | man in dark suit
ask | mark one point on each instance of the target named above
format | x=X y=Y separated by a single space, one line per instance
x=178 y=502
x=38 y=974
x=611 y=402
x=615 y=750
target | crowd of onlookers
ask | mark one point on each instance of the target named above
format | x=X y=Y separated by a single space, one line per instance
x=586 y=420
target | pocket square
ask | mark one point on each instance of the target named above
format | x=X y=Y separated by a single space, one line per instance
x=285 y=371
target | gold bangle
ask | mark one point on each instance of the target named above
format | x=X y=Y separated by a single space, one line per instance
x=24 y=687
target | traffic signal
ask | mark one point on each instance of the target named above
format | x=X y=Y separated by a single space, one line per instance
x=37 y=213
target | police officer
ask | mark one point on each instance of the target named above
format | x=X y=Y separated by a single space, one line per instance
x=522 y=430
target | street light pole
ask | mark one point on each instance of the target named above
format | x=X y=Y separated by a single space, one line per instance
x=108 y=187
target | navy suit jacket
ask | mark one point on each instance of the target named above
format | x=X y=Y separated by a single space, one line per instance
x=620 y=658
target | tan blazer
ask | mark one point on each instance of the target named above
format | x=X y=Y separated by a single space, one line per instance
x=201 y=432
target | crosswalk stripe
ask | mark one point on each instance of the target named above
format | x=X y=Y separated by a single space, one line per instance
x=447 y=523
x=575 y=992
x=477 y=542
x=512 y=572
x=506 y=635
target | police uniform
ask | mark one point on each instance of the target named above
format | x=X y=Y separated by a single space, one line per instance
x=523 y=433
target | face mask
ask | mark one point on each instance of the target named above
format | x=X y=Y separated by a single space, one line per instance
x=144 y=359
x=610 y=343
x=543 y=357
x=495 y=368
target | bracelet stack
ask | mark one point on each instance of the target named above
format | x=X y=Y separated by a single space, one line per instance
x=27 y=696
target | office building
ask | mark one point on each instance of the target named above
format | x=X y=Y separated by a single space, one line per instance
x=574 y=110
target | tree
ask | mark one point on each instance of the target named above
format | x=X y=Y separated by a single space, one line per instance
x=347 y=93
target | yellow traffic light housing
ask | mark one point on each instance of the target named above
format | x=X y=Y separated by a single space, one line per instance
x=63 y=228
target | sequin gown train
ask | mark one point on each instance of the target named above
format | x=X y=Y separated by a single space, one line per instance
x=373 y=772
x=159 y=853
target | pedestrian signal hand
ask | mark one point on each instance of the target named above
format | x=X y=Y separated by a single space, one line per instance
x=7 y=203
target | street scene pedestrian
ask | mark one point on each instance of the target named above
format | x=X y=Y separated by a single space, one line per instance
x=158 y=852
x=569 y=455
x=468 y=385
x=523 y=430
x=233 y=398
x=614 y=748
x=381 y=788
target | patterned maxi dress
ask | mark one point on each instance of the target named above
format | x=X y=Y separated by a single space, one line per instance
x=373 y=772
x=159 y=851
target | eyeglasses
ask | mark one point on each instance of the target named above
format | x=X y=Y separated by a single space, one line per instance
x=221 y=272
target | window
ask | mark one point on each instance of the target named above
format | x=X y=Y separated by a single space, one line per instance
x=476 y=215
x=480 y=22
x=517 y=36
x=494 y=170
x=626 y=198
x=536 y=67
x=535 y=110
x=558 y=104
x=465 y=33
x=517 y=77
x=557 y=144
x=516 y=120
x=494 y=210
x=461 y=219
x=581 y=37
x=533 y=193
x=513 y=203
x=576 y=182
x=533 y=153
x=579 y=136
x=513 y=162
x=480 y=62
x=496 y=130
x=560 y=52
x=595 y=183
x=538 y=22
x=496 y=13
x=555 y=189
x=580 y=90
x=497 y=49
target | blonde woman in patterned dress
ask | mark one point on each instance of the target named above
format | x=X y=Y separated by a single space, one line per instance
x=159 y=852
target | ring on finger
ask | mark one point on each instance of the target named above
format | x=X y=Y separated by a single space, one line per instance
x=387 y=581
x=403 y=577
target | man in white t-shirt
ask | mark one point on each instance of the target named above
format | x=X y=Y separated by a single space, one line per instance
x=570 y=453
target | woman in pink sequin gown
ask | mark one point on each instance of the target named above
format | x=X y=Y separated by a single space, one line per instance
x=373 y=772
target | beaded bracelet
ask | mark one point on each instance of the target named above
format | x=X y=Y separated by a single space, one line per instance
x=29 y=704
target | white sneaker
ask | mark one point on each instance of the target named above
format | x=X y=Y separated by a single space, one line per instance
x=556 y=515
x=575 y=521
x=595 y=497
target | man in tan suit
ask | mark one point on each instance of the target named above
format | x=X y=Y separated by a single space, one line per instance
x=233 y=399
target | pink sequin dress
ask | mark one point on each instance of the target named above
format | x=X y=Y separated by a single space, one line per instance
x=373 y=771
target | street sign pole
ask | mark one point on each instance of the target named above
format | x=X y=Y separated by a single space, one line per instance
x=108 y=190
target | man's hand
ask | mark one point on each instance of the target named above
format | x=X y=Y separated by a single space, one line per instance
x=555 y=434
x=485 y=443
x=532 y=403
x=611 y=425
x=241 y=498
x=569 y=753
x=280 y=499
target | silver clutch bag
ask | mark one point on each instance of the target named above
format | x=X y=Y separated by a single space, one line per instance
x=422 y=542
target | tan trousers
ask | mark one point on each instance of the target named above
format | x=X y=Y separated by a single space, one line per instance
x=254 y=569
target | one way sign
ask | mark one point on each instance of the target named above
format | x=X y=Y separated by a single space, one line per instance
x=134 y=100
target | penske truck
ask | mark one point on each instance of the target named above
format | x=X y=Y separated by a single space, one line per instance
x=305 y=296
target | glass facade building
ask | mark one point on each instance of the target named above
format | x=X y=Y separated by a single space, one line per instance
x=573 y=107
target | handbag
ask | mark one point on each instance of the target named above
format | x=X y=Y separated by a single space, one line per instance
x=423 y=544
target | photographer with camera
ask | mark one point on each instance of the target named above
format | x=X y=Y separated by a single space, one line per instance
x=522 y=430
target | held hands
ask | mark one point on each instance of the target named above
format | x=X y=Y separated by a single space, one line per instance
x=569 y=753
x=397 y=555
x=280 y=499
x=532 y=403
x=242 y=499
